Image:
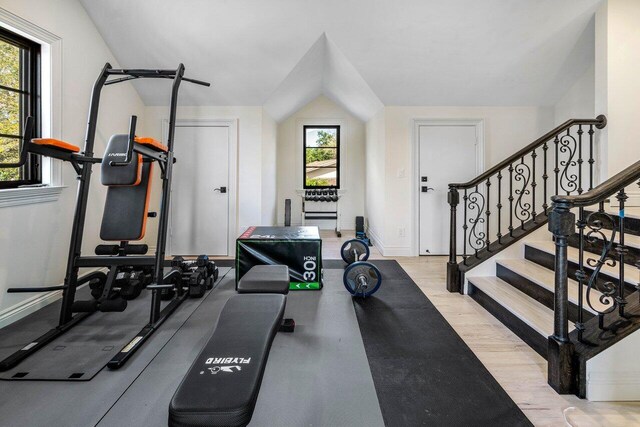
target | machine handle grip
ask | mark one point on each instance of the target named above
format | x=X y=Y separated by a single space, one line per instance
x=198 y=82
x=24 y=150
x=131 y=142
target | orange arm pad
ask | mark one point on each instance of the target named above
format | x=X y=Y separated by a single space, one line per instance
x=152 y=143
x=56 y=143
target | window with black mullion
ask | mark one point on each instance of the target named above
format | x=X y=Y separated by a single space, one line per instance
x=321 y=156
x=19 y=98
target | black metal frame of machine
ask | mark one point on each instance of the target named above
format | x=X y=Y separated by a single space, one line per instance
x=82 y=162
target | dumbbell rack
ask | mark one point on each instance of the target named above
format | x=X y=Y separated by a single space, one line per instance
x=332 y=196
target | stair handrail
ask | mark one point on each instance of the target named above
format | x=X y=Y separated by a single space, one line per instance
x=524 y=214
x=603 y=191
x=599 y=122
x=612 y=291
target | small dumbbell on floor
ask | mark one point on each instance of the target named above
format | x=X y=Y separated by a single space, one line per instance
x=361 y=278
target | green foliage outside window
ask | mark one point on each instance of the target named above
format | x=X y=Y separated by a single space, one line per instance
x=9 y=109
x=325 y=139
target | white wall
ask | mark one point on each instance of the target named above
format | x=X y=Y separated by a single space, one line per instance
x=578 y=102
x=290 y=176
x=375 y=177
x=506 y=130
x=614 y=376
x=617 y=84
x=269 y=170
x=34 y=239
x=252 y=191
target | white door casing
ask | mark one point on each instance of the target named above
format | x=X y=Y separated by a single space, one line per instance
x=445 y=152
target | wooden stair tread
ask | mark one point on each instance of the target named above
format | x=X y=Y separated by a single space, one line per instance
x=528 y=310
x=631 y=276
x=545 y=278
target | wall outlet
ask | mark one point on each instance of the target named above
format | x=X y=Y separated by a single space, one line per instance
x=401 y=231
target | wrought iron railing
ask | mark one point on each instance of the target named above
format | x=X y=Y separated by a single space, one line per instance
x=605 y=294
x=512 y=198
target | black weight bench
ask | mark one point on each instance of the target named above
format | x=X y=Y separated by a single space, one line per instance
x=221 y=387
x=265 y=279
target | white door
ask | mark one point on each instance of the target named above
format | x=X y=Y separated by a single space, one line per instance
x=447 y=154
x=199 y=195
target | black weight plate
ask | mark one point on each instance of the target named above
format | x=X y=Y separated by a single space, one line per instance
x=346 y=251
x=367 y=270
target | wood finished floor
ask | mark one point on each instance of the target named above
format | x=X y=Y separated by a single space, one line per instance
x=518 y=368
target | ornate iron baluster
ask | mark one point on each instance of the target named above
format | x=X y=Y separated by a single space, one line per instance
x=580 y=161
x=568 y=181
x=533 y=184
x=608 y=289
x=511 y=199
x=556 y=170
x=499 y=206
x=638 y=265
x=621 y=250
x=591 y=159
x=476 y=235
x=522 y=208
x=545 y=178
x=581 y=275
x=488 y=212
x=465 y=227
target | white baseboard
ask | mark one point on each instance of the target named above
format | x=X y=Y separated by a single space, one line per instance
x=31 y=305
x=385 y=250
x=375 y=239
x=397 y=251
x=613 y=386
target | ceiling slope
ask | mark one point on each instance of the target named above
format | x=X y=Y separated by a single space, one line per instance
x=323 y=70
x=410 y=52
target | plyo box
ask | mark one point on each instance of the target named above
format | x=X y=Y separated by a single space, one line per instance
x=299 y=248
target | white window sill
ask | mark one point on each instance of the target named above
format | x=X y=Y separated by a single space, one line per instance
x=29 y=195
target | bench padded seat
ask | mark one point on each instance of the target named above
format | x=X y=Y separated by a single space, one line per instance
x=221 y=387
x=266 y=279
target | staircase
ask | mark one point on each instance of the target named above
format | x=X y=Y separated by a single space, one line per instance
x=521 y=293
x=570 y=293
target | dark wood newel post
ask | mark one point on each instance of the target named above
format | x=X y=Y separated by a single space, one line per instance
x=453 y=273
x=560 y=352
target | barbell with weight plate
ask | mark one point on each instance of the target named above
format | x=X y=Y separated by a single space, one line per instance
x=354 y=250
x=361 y=278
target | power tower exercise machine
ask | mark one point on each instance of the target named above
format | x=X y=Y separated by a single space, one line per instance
x=126 y=169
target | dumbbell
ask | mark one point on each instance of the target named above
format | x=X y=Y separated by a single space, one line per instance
x=361 y=278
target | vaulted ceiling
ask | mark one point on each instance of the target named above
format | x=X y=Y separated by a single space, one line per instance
x=360 y=53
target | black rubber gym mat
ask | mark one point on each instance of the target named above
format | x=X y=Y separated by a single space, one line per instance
x=84 y=350
x=423 y=371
